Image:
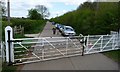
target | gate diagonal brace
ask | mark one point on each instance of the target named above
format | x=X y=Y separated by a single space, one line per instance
x=29 y=50
x=55 y=48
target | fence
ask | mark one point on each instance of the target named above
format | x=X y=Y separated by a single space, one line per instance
x=2 y=51
x=41 y=49
x=18 y=30
x=29 y=50
x=101 y=43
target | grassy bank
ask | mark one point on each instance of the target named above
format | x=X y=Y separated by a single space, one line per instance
x=114 y=55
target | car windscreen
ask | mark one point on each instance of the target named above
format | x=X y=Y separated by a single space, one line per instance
x=68 y=29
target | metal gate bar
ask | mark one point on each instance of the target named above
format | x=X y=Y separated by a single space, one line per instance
x=29 y=50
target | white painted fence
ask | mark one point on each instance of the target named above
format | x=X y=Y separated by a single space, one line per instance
x=28 y=50
x=0 y=49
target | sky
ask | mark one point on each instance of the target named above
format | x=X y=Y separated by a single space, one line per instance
x=19 y=8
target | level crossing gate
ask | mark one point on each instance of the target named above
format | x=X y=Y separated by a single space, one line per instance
x=29 y=50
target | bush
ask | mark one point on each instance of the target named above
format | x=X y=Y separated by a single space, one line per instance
x=30 y=26
x=4 y=24
x=87 y=19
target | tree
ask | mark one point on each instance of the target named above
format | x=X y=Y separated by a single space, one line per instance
x=2 y=8
x=42 y=10
x=93 y=18
x=33 y=14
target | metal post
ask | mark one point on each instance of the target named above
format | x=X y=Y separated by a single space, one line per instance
x=43 y=54
x=8 y=6
x=87 y=43
x=83 y=50
x=9 y=48
x=67 y=45
x=82 y=43
x=43 y=49
x=113 y=42
x=9 y=45
x=119 y=39
x=101 y=44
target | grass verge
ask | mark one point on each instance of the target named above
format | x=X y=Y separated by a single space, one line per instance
x=114 y=55
x=6 y=68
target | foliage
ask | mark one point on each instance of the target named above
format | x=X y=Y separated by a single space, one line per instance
x=42 y=10
x=93 y=18
x=30 y=26
x=34 y=15
x=2 y=8
x=6 y=68
x=4 y=24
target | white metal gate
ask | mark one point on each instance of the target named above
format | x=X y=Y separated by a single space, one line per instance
x=101 y=43
x=0 y=49
x=40 y=49
x=28 y=50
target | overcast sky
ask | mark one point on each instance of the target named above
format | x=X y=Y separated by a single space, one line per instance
x=19 y=8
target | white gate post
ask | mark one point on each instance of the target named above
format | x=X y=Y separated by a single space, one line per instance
x=119 y=39
x=1 y=49
x=9 y=45
x=87 y=43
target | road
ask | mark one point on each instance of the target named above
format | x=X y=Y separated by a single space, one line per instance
x=88 y=62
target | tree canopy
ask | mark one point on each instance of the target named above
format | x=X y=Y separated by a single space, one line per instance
x=39 y=12
x=93 y=18
x=33 y=14
x=2 y=8
x=42 y=10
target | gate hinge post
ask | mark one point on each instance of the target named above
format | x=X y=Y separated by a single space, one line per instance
x=9 y=45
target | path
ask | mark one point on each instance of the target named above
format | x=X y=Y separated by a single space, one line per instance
x=88 y=62
x=47 y=32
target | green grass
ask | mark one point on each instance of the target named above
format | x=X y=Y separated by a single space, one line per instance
x=114 y=55
x=7 y=68
x=19 y=36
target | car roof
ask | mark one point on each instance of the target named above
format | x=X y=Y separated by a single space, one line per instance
x=68 y=27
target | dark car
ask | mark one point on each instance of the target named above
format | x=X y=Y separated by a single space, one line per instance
x=59 y=27
x=53 y=23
